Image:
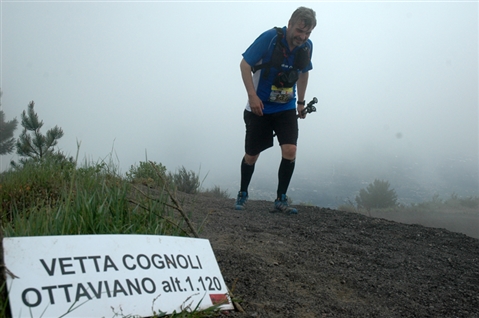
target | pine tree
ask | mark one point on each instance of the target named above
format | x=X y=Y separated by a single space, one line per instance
x=7 y=142
x=32 y=143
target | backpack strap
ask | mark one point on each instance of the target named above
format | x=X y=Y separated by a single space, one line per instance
x=278 y=54
x=302 y=58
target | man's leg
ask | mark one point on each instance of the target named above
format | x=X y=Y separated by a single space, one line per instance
x=247 y=169
x=285 y=173
x=286 y=168
x=259 y=136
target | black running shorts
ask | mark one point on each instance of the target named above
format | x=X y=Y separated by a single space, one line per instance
x=260 y=130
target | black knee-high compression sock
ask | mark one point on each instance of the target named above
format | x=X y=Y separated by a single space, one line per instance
x=246 y=174
x=285 y=173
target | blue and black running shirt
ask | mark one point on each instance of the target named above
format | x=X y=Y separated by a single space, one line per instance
x=260 y=51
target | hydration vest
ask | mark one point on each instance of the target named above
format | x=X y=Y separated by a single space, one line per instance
x=302 y=57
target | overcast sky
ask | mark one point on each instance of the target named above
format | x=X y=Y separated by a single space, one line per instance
x=162 y=80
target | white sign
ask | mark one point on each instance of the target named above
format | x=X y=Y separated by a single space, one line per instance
x=108 y=275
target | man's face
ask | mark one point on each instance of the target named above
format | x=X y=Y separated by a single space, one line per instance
x=297 y=33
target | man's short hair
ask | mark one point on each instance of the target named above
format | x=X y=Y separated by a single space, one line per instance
x=307 y=15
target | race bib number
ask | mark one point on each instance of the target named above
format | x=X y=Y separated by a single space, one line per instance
x=281 y=95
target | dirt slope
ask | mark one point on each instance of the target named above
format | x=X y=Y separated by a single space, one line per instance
x=327 y=263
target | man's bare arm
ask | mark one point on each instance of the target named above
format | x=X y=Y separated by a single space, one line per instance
x=254 y=102
x=301 y=86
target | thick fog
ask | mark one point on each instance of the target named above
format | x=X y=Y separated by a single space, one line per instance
x=397 y=84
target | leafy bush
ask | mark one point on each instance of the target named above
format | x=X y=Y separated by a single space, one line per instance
x=186 y=181
x=377 y=195
x=347 y=208
x=149 y=173
x=35 y=183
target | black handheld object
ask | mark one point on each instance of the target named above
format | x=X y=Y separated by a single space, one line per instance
x=310 y=108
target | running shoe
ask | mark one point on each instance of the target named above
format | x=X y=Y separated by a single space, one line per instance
x=241 y=201
x=283 y=206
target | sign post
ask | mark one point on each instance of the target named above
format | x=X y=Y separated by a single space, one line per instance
x=104 y=275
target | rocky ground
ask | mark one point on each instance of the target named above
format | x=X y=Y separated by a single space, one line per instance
x=328 y=263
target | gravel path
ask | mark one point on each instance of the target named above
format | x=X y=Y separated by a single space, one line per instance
x=328 y=263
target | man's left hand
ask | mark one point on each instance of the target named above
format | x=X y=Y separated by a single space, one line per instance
x=300 y=110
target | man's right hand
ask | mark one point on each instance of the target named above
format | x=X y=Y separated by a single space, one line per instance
x=256 y=105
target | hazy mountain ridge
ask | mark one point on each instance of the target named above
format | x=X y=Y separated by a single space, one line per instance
x=412 y=182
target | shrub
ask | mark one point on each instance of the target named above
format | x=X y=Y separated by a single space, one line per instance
x=377 y=195
x=186 y=181
x=347 y=208
x=149 y=173
x=35 y=183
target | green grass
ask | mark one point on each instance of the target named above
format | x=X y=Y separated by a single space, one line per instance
x=88 y=200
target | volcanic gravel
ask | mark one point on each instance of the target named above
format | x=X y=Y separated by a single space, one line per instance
x=329 y=263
